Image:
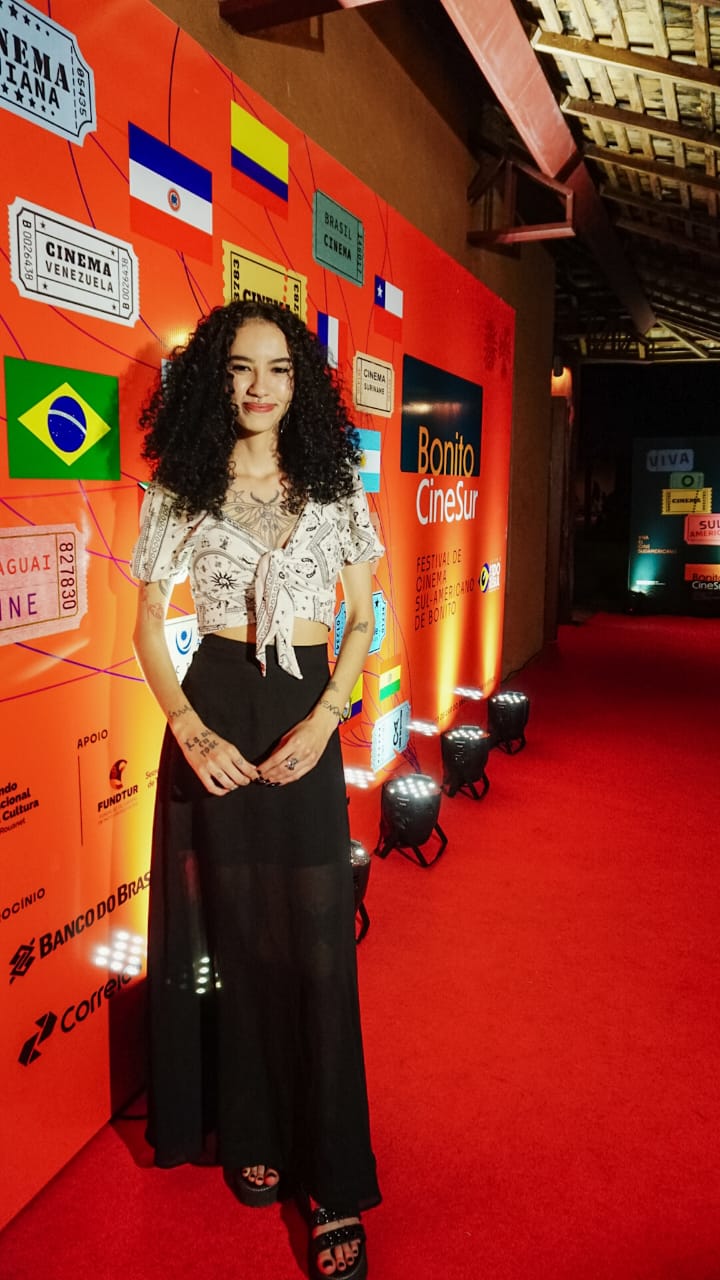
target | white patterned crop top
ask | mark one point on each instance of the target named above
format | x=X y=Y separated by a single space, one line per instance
x=236 y=580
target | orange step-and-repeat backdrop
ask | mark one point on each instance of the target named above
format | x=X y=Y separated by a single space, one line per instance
x=143 y=183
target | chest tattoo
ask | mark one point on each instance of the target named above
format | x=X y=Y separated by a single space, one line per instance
x=269 y=521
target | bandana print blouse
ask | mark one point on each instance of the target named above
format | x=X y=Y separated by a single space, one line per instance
x=236 y=580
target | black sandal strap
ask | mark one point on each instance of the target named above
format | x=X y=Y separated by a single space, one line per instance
x=320 y=1217
x=338 y=1236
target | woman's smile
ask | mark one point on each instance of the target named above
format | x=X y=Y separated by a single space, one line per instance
x=261 y=371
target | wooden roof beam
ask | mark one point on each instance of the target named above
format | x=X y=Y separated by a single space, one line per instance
x=640 y=164
x=686 y=342
x=658 y=125
x=609 y=55
x=497 y=40
x=663 y=208
x=667 y=237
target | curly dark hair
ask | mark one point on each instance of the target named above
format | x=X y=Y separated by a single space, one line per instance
x=190 y=419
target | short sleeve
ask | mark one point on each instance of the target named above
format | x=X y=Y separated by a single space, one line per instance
x=358 y=540
x=164 y=547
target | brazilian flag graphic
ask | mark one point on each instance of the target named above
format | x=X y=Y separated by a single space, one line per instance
x=62 y=424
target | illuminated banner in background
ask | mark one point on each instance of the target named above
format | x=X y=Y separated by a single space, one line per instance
x=123 y=229
x=674 y=559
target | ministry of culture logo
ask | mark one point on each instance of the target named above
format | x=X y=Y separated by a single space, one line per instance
x=70 y=430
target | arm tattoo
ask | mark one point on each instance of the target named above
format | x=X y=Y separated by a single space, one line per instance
x=331 y=684
x=361 y=626
x=330 y=706
x=178 y=711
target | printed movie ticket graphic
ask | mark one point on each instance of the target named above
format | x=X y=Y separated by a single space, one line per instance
x=43 y=75
x=682 y=502
x=249 y=278
x=390 y=736
x=57 y=260
x=702 y=530
x=43 y=584
x=373 y=381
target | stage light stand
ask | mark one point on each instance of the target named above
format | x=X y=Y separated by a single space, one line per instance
x=465 y=750
x=409 y=811
x=360 y=863
x=508 y=714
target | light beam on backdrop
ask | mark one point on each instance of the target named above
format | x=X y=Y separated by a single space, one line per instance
x=465 y=750
x=409 y=811
x=508 y=714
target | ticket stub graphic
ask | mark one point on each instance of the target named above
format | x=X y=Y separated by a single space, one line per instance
x=373 y=383
x=338 y=239
x=249 y=278
x=60 y=261
x=43 y=75
x=686 y=502
x=702 y=531
x=43 y=581
x=687 y=480
x=390 y=736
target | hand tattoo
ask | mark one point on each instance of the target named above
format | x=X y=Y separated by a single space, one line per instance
x=205 y=743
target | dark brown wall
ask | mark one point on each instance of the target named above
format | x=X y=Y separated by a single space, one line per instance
x=368 y=88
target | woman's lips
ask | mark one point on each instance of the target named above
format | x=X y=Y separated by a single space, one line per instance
x=251 y=407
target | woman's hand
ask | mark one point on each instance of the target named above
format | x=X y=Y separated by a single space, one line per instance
x=218 y=764
x=300 y=749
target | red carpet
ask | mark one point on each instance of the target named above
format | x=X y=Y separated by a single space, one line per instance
x=540 y=1009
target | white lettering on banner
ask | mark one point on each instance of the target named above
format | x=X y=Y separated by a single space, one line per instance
x=444 y=506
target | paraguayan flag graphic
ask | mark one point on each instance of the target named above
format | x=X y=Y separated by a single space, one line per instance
x=169 y=181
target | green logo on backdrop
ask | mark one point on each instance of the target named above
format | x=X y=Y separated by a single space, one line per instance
x=61 y=423
x=687 y=480
x=338 y=239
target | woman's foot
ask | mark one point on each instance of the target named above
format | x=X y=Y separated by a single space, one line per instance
x=344 y=1238
x=255 y=1185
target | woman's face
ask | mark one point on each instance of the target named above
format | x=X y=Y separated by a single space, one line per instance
x=261 y=376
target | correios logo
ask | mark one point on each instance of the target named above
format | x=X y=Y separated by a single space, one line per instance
x=441 y=436
x=72 y=1017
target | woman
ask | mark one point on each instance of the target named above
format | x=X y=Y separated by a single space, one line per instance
x=255 y=1032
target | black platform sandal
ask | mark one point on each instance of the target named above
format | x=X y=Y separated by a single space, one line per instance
x=249 y=1193
x=355 y=1231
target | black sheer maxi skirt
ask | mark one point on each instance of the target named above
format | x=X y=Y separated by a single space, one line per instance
x=256 y=1050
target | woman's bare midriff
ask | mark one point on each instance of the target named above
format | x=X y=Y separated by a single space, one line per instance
x=304 y=632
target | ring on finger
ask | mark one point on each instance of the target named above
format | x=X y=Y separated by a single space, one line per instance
x=291 y=763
